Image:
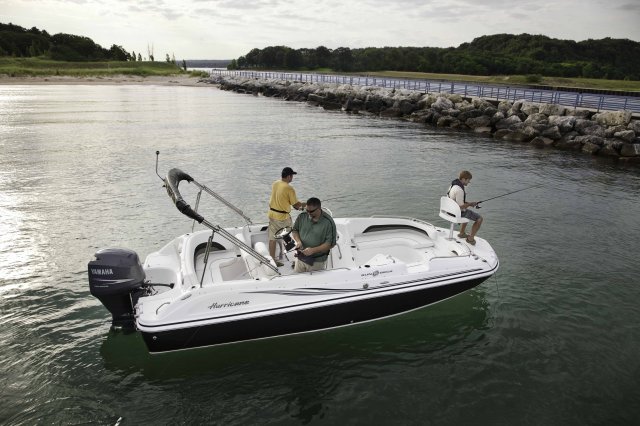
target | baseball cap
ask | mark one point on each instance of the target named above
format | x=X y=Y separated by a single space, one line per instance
x=288 y=171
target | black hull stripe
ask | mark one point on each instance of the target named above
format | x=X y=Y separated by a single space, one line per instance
x=416 y=283
x=307 y=320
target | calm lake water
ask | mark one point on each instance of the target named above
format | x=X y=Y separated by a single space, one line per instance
x=553 y=339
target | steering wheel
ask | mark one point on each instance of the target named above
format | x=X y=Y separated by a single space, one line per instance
x=282 y=232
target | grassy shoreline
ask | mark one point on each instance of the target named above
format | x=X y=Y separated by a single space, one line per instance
x=37 y=67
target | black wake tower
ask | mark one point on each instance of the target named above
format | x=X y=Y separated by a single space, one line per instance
x=116 y=276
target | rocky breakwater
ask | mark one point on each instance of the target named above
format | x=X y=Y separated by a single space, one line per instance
x=611 y=134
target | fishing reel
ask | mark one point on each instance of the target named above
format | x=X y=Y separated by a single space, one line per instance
x=284 y=234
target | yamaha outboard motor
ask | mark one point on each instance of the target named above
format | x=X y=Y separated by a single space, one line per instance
x=116 y=278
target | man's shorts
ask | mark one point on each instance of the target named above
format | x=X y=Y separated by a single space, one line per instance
x=471 y=215
x=276 y=225
x=300 y=266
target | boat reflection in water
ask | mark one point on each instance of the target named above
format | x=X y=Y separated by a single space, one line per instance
x=402 y=339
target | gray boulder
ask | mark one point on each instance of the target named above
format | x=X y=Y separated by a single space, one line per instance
x=590 y=148
x=483 y=130
x=516 y=136
x=533 y=131
x=317 y=99
x=565 y=123
x=593 y=131
x=552 y=109
x=635 y=126
x=406 y=106
x=582 y=123
x=571 y=145
x=372 y=103
x=541 y=142
x=426 y=101
x=625 y=135
x=465 y=106
x=536 y=118
x=455 y=98
x=481 y=121
x=608 y=151
x=351 y=104
x=630 y=150
x=594 y=140
x=466 y=115
x=611 y=148
x=421 y=116
x=510 y=122
x=331 y=105
x=579 y=113
x=530 y=108
x=445 y=121
x=552 y=132
x=390 y=112
x=482 y=105
x=613 y=118
x=570 y=136
x=515 y=108
x=442 y=104
x=489 y=111
x=504 y=106
x=496 y=117
x=499 y=134
x=610 y=131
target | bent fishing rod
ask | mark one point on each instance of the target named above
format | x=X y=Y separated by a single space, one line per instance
x=508 y=193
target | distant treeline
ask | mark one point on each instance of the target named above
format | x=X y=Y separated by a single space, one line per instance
x=500 y=54
x=20 y=42
x=207 y=63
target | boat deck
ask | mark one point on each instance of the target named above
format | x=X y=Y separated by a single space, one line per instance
x=415 y=249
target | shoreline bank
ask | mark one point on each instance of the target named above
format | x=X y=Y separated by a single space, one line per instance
x=615 y=135
x=162 y=80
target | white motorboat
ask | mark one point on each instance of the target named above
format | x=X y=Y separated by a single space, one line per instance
x=220 y=285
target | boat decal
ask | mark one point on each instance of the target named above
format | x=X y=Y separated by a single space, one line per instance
x=386 y=284
x=106 y=281
x=216 y=305
x=380 y=290
x=375 y=273
x=102 y=271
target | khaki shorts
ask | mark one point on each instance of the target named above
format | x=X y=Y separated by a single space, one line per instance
x=305 y=267
x=276 y=225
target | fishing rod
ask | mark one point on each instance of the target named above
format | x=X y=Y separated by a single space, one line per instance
x=508 y=193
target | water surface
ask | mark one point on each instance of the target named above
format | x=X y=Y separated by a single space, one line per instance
x=552 y=339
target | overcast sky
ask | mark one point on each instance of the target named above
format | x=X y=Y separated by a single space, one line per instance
x=226 y=29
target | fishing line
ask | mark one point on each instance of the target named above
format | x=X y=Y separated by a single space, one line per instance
x=509 y=193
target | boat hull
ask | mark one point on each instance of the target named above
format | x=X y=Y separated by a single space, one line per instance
x=304 y=320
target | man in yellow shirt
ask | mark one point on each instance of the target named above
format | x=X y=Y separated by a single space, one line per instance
x=283 y=197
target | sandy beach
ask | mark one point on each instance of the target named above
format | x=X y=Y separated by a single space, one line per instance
x=171 y=80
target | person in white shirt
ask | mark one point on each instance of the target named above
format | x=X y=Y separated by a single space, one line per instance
x=457 y=193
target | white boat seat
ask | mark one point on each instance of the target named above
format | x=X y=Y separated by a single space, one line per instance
x=256 y=269
x=450 y=211
x=381 y=260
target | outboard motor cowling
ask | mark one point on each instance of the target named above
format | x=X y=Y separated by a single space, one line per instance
x=116 y=278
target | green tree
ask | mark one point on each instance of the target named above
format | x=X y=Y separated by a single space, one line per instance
x=342 y=59
x=117 y=53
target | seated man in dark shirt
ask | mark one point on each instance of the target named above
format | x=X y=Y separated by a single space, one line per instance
x=315 y=234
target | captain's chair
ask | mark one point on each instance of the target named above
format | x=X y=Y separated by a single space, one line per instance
x=450 y=211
